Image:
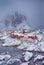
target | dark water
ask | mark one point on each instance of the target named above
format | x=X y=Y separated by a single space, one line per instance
x=12 y=50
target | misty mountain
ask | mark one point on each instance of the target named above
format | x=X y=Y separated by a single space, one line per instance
x=15 y=21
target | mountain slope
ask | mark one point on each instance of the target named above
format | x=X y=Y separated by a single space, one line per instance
x=22 y=26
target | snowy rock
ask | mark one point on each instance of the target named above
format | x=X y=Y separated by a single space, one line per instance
x=17 y=33
x=42 y=62
x=11 y=42
x=27 y=55
x=39 y=37
x=5 y=57
x=23 y=45
x=38 y=58
x=1 y=35
x=5 y=37
x=30 y=34
x=1 y=63
x=41 y=46
x=32 y=47
x=13 y=61
x=25 y=63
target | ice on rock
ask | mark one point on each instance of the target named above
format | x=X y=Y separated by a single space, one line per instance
x=1 y=63
x=27 y=55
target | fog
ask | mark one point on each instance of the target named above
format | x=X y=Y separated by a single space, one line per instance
x=32 y=9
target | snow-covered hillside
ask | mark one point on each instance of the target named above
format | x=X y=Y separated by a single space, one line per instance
x=23 y=25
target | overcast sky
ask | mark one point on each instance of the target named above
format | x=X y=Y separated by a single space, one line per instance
x=32 y=9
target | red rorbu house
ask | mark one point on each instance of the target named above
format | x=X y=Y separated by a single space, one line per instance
x=33 y=37
x=16 y=36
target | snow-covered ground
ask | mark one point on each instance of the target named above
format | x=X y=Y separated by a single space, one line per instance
x=32 y=41
x=26 y=40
